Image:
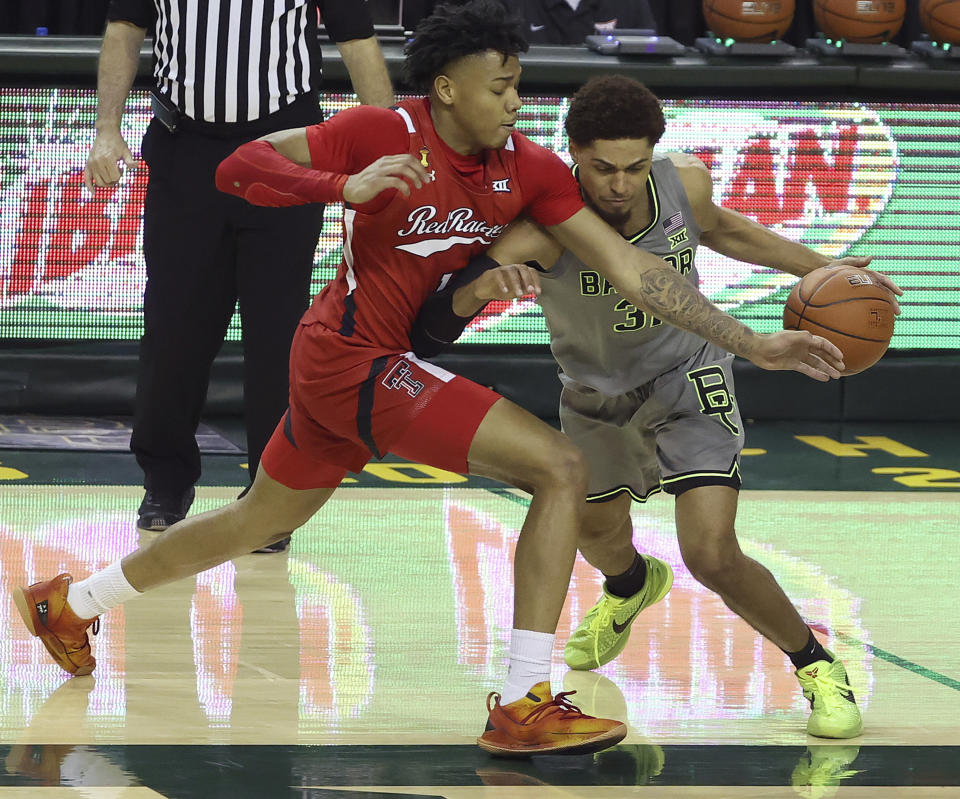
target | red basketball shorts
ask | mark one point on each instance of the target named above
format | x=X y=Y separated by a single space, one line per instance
x=351 y=403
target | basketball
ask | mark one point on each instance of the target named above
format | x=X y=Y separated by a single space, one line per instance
x=867 y=21
x=941 y=19
x=848 y=308
x=748 y=20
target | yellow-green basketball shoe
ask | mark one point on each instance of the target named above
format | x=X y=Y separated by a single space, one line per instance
x=605 y=629
x=833 y=708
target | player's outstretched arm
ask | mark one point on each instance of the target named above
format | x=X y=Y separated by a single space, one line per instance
x=653 y=285
x=740 y=237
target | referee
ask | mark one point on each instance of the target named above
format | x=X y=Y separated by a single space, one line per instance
x=226 y=72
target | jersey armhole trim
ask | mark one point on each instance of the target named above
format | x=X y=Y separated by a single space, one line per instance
x=407 y=119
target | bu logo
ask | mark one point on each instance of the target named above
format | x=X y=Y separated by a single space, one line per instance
x=715 y=398
x=501 y=185
x=399 y=378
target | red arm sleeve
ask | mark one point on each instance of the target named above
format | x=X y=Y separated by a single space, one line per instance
x=550 y=190
x=345 y=144
x=262 y=176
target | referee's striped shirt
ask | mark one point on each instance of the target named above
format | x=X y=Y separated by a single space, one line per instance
x=225 y=61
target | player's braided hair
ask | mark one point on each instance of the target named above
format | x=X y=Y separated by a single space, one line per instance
x=455 y=30
x=614 y=107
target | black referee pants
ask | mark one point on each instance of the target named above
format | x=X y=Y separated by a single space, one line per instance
x=205 y=251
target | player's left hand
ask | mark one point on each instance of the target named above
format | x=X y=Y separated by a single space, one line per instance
x=861 y=262
x=507 y=282
x=799 y=351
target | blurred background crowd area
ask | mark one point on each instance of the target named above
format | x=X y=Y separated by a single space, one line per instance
x=682 y=20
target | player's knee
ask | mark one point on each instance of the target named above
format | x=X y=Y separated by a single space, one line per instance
x=561 y=467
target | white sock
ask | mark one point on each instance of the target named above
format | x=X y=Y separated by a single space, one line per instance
x=99 y=592
x=530 y=654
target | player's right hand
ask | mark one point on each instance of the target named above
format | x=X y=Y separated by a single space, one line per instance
x=389 y=172
x=862 y=262
x=799 y=351
x=103 y=163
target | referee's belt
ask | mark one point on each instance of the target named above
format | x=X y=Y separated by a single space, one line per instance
x=303 y=111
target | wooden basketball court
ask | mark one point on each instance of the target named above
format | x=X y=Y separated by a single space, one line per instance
x=357 y=664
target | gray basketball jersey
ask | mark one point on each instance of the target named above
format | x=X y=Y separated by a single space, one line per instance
x=602 y=340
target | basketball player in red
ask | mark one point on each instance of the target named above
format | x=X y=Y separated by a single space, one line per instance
x=426 y=186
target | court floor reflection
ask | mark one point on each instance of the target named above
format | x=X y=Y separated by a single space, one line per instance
x=408 y=771
x=393 y=600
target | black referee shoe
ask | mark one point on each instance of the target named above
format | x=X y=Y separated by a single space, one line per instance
x=276 y=546
x=161 y=509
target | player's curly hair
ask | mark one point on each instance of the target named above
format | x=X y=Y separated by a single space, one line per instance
x=614 y=107
x=455 y=30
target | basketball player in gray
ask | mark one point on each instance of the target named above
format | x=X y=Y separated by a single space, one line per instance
x=652 y=406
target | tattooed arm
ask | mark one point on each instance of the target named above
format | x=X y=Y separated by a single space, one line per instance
x=654 y=286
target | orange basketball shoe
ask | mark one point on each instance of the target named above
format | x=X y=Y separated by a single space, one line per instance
x=542 y=724
x=44 y=609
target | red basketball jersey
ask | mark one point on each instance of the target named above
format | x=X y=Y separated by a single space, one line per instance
x=396 y=249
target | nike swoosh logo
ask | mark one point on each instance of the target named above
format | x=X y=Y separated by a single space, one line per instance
x=536 y=28
x=619 y=628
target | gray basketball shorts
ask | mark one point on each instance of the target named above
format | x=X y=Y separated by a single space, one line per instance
x=679 y=431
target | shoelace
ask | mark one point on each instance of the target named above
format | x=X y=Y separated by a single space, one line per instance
x=829 y=690
x=604 y=619
x=559 y=704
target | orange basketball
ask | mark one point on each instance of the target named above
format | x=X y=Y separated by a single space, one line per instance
x=869 y=21
x=749 y=20
x=848 y=308
x=941 y=19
